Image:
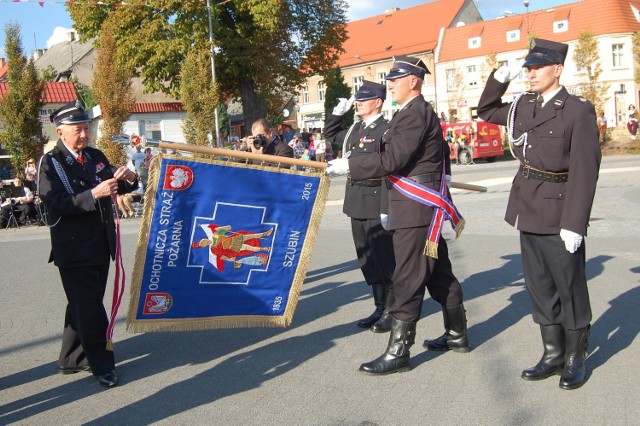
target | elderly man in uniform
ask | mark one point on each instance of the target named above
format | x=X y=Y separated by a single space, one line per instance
x=555 y=138
x=365 y=201
x=415 y=153
x=77 y=184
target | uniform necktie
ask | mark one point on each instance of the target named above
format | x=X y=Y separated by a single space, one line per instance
x=538 y=105
x=363 y=126
x=80 y=158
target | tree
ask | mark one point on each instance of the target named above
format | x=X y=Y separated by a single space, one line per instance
x=336 y=88
x=223 y=121
x=456 y=85
x=112 y=91
x=587 y=60
x=199 y=97
x=635 y=42
x=49 y=73
x=20 y=108
x=264 y=48
x=491 y=63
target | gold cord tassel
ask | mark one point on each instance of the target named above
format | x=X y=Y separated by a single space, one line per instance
x=110 y=345
x=431 y=249
x=460 y=227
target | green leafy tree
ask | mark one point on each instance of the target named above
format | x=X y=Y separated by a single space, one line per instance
x=199 y=97
x=336 y=88
x=264 y=48
x=48 y=74
x=224 y=124
x=587 y=60
x=112 y=90
x=84 y=92
x=21 y=133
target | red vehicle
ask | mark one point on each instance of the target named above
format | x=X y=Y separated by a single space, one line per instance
x=469 y=140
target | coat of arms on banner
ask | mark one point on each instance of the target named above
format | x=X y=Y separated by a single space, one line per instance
x=223 y=244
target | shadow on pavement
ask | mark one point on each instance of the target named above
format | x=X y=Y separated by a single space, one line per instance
x=143 y=356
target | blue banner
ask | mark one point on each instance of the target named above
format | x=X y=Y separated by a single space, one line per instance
x=223 y=244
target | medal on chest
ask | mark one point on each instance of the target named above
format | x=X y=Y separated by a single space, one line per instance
x=365 y=140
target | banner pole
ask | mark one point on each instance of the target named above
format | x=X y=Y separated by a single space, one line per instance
x=221 y=152
x=273 y=159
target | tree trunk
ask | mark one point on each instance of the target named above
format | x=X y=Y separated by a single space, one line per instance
x=253 y=107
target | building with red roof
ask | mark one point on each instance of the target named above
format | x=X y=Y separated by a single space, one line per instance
x=374 y=41
x=464 y=55
x=460 y=50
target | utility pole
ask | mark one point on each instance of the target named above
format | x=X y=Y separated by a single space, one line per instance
x=213 y=73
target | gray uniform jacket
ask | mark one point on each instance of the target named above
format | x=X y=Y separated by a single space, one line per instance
x=563 y=137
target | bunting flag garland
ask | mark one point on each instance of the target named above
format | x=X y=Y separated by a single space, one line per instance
x=93 y=3
x=223 y=244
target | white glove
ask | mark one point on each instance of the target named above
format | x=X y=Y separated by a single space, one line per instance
x=338 y=167
x=343 y=106
x=384 y=220
x=571 y=240
x=448 y=179
x=505 y=74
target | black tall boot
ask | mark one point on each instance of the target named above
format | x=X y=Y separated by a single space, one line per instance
x=383 y=325
x=574 y=371
x=455 y=335
x=396 y=357
x=378 y=291
x=552 y=360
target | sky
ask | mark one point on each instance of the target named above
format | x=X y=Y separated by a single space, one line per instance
x=44 y=26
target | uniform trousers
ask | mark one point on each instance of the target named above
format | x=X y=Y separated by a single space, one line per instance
x=84 y=339
x=374 y=248
x=556 y=281
x=414 y=272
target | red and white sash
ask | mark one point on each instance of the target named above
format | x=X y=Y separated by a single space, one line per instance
x=443 y=208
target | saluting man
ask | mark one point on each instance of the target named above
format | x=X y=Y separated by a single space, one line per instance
x=415 y=156
x=77 y=184
x=365 y=200
x=555 y=138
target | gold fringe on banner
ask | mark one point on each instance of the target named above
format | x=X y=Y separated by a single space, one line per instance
x=238 y=321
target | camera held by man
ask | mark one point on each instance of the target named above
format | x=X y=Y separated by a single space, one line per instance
x=264 y=141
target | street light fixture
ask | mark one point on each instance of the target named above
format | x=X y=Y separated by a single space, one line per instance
x=526 y=5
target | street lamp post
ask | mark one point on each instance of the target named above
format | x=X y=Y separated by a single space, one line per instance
x=213 y=73
x=526 y=5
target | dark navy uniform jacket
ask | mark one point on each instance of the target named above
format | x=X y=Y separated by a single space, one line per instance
x=360 y=202
x=563 y=137
x=413 y=146
x=84 y=231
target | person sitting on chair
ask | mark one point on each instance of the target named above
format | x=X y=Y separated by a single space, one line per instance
x=125 y=202
x=21 y=203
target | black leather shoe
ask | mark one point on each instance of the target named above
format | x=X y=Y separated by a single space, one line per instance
x=383 y=325
x=108 y=380
x=73 y=370
x=370 y=320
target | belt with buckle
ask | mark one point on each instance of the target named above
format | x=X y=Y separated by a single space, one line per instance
x=364 y=182
x=530 y=173
x=426 y=178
